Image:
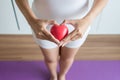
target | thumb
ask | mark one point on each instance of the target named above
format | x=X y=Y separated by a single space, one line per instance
x=52 y=22
x=68 y=22
x=64 y=22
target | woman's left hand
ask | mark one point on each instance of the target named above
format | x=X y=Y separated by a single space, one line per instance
x=80 y=26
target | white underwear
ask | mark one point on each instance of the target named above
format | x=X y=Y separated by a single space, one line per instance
x=73 y=44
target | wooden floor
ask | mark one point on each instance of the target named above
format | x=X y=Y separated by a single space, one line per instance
x=96 y=47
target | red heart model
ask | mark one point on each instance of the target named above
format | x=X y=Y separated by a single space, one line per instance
x=59 y=31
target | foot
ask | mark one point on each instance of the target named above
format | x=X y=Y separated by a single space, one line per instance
x=53 y=78
x=61 y=77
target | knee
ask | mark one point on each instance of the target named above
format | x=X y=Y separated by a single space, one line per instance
x=67 y=59
x=50 y=60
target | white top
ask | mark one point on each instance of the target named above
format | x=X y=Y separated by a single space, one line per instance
x=61 y=8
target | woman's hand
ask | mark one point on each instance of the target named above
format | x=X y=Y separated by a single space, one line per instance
x=39 y=28
x=80 y=26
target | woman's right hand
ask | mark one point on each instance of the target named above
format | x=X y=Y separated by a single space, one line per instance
x=37 y=25
x=39 y=28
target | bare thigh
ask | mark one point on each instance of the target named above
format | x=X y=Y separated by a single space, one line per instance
x=51 y=54
x=68 y=53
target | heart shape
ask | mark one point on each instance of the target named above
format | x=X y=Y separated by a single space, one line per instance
x=59 y=31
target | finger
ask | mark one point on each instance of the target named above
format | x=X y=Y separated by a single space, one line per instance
x=72 y=22
x=52 y=22
x=55 y=40
x=64 y=22
x=68 y=22
x=69 y=36
x=65 y=43
x=42 y=32
x=50 y=37
x=60 y=43
x=41 y=37
x=75 y=37
x=72 y=39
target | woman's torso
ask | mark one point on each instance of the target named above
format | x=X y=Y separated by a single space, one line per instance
x=60 y=8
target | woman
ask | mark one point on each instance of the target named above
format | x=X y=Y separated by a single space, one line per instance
x=76 y=14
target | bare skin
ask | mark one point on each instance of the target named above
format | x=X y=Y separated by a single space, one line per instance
x=67 y=54
x=66 y=59
x=51 y=61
